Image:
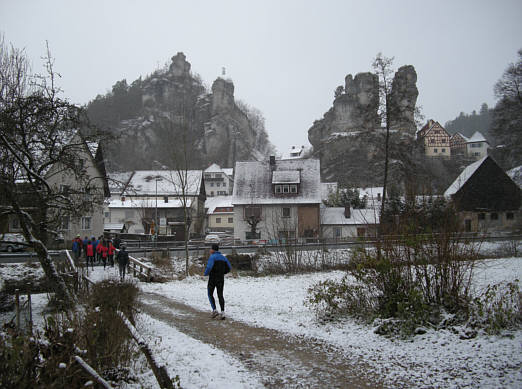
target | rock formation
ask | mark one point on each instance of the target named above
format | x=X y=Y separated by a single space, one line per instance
x=349 y=138
x=174 y=106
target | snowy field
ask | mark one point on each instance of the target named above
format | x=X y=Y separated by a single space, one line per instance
x=435 y=359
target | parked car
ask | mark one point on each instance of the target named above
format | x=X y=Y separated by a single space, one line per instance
x=212 y=238
x=12 y=242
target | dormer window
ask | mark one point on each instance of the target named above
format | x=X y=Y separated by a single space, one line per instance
x=286 y=181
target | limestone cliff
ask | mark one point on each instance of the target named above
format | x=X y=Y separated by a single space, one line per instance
x=175 y=115
x=349 y=138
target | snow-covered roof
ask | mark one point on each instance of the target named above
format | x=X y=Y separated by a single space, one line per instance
x=286 y=177
x=296 y=152
x=461 y=135
x=516 y=175
x=143 y=182
x=253 y=182
x=463 y=177
x=228 y=171
x=118 y=181
x=116 y=202
x=476 y=137
x=335 y=216
x=218 y=201
x=113 y=226
x=214 y=168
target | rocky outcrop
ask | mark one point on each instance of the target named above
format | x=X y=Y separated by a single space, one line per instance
x=403 y=98
x=349 y=138
x=175 y=106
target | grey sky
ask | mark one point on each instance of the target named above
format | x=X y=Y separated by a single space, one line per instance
x=285 y=57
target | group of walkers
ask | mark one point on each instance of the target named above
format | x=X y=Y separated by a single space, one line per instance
x=101 y=250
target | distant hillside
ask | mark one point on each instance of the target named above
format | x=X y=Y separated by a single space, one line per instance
x=170 y=115
x=468 y=124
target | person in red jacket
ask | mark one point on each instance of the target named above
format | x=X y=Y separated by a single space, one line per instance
x=112 y=249
x=89 y=253
x=99 y=251
x=104 y=254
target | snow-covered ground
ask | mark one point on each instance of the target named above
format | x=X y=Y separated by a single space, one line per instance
x=434 y=359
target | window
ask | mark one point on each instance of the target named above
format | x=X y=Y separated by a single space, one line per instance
x=482 y=216
x=278 y=189
x=252 y=211
x=107 y=215
x=286 y=212
x=224 y=184
x=494 y=216
x=230 y=220
x=212 y=193
x=337 y=232
x=361 y=231
x=218 y=220
x=293 y=188
x=86 y=223
x=212 y=184
x=286 y=189
x=443 y=150
x=435 y=150
x=510 y=216
x=218 y=184
x=166 y=199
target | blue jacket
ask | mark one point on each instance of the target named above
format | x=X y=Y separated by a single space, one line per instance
x=218 y=265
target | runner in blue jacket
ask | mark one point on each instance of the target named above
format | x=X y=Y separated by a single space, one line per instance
x=217 y=266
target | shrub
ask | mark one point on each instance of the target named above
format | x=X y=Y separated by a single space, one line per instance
x=409 y=278
x=498 y=307
x=96 y=333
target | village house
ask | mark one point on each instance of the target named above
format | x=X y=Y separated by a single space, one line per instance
x=435 y=140
x=220 y=214
x=154 y=201
x=458 y=144
x=486 y=198
x=341 y=223
x=277 y=199
x=91 y=223
x=218 y=181
x=477 y=146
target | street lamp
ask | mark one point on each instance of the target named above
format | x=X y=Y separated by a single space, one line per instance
x=156 y=218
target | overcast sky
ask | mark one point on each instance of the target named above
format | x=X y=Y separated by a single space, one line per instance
x=285 y=57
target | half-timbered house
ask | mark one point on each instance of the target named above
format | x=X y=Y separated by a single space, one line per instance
x=435 y=140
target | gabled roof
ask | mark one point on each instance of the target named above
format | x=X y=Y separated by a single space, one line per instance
x=253 y=182
x=428 y=127
x=149 y=203
x=458 y=134
x=169 y=183
x=216 y=202
x=476 y=137
x=335 y=216
x=463 y=177
x=214 y=168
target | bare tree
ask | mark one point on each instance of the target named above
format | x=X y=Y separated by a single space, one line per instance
x=383 y=68
x=40 y=139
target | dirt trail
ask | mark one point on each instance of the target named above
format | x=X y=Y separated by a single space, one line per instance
x=281 y=360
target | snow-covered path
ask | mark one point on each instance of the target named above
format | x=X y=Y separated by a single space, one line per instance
x=278 y=359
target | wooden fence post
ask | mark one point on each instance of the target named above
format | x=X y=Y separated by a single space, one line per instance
x=17 y=307
x=30 y=312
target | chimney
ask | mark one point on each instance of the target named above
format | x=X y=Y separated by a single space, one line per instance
x=272 y=162
x=347 y=213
